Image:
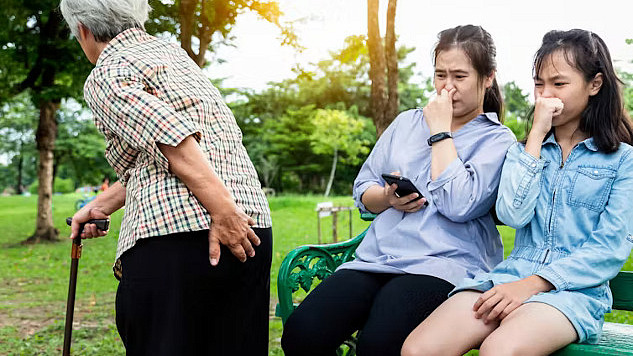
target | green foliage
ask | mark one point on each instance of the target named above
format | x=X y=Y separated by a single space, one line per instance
x=18 y=118
x=63 y=186
x=60 y=185
x=336 y=130
x=627 y=78
x=517 y=109
x=79 y=147
x=35 y=52
x=278 y=126
x=212 y=21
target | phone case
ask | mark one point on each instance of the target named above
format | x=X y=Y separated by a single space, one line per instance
x=405 y=186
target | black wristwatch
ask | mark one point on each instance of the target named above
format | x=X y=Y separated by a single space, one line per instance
x=439 y=137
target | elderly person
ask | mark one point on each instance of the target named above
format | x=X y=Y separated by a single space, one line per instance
x=195 y=244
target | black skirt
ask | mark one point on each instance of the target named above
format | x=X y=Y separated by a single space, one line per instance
x=171 y=301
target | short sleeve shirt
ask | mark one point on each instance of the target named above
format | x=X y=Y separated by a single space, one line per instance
x=144 y=91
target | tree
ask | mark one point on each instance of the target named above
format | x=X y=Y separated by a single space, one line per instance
x=336 y=131
x=517 y=109
x=17 y=127
x=384 y=101
x=628 y=87
x=79 y=147
x=35 y=52
x=277 y=121
x=198 y=21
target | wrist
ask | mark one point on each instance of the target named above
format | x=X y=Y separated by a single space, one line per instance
x=539 y=284
x=539 y=132
x=435 y=131
x=224 y=206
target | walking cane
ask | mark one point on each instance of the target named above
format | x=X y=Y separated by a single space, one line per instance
x=75 y=254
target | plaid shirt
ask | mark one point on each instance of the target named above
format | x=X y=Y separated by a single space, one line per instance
x=144 y=91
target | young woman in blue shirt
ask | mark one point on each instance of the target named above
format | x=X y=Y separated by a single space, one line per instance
x=413 y=255
x=568 y=192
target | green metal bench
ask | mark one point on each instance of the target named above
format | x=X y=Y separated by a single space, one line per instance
x=303 y=266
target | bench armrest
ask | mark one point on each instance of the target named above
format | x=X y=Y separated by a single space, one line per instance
x=305 y=263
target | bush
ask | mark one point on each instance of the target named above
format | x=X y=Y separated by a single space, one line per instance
x=61 y=186
x=33 y=188
x=64 y=185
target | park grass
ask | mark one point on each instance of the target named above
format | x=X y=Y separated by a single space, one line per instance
x=34 y=278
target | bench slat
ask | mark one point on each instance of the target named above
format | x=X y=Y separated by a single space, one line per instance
x=616 y=340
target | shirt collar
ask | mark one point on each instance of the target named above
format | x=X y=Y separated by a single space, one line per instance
x=123 y=39
x=589 y=143
x=492 y=116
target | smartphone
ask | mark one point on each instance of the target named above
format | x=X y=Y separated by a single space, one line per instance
x=405 y=186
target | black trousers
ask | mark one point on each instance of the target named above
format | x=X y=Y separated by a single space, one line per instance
x=385 y=307
x=171 y=301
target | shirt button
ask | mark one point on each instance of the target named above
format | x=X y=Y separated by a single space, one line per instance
x=533 y=164
x=595 y=172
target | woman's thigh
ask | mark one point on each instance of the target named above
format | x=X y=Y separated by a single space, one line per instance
x=451 y=329
x=532 y=329
x=334 y=310
x=402 y=303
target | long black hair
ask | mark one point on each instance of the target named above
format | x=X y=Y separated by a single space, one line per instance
x=604 y=118
x=480 y=49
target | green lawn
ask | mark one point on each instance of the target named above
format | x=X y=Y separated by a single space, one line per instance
x=34 y=279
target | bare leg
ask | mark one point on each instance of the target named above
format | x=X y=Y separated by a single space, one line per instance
x=531 y=329
x=450 y=330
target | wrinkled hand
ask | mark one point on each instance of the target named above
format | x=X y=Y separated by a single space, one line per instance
x=438 y=113
x=545 y=109
x=402 y=203
x=232 y=229
x=90 y=230
x=503 y=299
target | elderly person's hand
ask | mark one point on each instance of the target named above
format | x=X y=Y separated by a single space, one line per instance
x=232 y=229
x=100 y=208
x=90 y=230
x=230 y=226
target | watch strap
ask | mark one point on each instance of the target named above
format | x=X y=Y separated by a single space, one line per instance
x=439 y=137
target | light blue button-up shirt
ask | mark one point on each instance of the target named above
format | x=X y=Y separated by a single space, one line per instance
x=574 y=220
x=455 y=236
x=574 y=224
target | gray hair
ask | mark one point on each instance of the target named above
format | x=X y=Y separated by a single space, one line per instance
x=104 y=18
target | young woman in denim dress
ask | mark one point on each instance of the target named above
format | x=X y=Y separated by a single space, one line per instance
x=568 y=191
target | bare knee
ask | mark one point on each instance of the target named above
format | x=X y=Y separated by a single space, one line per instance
x=422 y=347
x=498 y=346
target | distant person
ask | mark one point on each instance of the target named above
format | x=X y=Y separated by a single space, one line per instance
x=195 y=245
x=412 y=256
x=568 y=191
x=105 y=184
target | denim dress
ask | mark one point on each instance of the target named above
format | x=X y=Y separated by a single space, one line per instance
x=573 y=224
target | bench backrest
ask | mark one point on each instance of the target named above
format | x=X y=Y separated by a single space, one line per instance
x=622 y=289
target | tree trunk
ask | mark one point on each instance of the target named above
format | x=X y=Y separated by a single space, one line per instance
x=332 y=171
x=45 y=138
x=187 y=12
x=392 y=64
x=18 y=187
x=378 y=102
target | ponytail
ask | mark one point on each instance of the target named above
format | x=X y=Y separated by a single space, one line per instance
x=493 y=100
